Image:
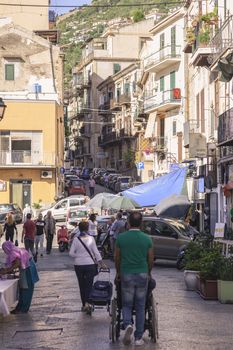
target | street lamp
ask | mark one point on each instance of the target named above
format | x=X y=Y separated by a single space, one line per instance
x=2 y=108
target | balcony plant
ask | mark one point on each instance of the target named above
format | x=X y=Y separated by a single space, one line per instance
x=190 y=35
x=204 y=35
x=225 y=282
x=211 y=18
x=195 y=21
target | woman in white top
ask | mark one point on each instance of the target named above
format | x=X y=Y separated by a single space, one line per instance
x=84 y=264
x=92 y=230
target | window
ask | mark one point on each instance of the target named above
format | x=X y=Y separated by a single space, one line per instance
x=9 y=72
x=116 y=68
x=172 y=80
x=174 y=128
x=162 y=229
x=127 y=89
x=118 y=94
x=162 y=83
x=162 y=41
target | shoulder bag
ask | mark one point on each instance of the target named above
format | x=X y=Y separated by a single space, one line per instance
x=95 y=262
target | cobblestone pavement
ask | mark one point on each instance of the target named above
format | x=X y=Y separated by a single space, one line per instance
x=186 y=322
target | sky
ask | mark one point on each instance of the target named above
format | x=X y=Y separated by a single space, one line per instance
x=64 y=9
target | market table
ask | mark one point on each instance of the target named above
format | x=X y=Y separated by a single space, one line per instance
x=8 y=295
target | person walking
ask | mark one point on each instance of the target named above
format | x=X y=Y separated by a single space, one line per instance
x=86 y=255
x=117 y=227
x=92 y=226
x=92 y=187
x=19 y=258
x=50 y=231
x=134 y=260
x=40 y=230
x=28 y=234
x=10 y=228
x=27 y=210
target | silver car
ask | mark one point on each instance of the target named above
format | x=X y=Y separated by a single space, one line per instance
x=169 y=236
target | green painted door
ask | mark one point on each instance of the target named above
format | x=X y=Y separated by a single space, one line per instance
x=172 y=82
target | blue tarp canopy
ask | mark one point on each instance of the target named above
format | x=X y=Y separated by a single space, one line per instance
x=152 y=192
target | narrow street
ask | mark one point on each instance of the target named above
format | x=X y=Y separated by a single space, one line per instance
x=55 y=321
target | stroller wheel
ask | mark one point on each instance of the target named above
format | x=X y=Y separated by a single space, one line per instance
x=153 y=320
x=112 y=326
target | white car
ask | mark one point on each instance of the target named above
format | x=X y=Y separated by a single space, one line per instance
x=59 y=210
x=75 y=215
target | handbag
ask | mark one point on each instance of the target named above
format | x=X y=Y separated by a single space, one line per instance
x=33 y=270
x=95 y=262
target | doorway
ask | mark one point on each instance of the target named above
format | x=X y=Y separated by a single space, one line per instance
x=20 y=192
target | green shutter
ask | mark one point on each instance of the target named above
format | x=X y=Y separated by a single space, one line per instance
x=173 y=41
x=9 y=72
x=116 y=68
x=162 y=41
x=161 y=83
x=172 y=80
x=127 y=88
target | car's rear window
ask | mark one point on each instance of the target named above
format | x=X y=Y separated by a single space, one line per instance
x=78 y=214
x=5 y=206
x=124 y=180
x=77 y=183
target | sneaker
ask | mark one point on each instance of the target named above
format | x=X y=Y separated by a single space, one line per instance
x=139 y=342
x=127 y=335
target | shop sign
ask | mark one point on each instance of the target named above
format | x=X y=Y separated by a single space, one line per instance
x=197 y=145
x=219 y=230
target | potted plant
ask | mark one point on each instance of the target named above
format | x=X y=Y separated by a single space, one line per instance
x=195 y=21
x=190 y=36
x=210 y=264
x=204 y=36
x=192 y=258
x=225 y=282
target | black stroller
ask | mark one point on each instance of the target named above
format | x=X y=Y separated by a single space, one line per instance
x=151 y=314
x=101 y=293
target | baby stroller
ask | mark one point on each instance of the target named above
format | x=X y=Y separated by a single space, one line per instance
x=101 y=293
x=151 y=314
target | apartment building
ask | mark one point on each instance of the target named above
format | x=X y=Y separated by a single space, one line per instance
x=121 y=131
x=162 y=82
x=101 y=57
x=31 y=134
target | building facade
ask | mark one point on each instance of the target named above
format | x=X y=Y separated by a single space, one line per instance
x=32 y=131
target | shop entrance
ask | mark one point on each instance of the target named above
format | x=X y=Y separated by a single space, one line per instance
x=20 y=192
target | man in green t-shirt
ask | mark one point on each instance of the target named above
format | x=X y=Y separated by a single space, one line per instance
x=134 y=260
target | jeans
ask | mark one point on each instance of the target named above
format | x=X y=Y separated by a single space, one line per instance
x=29 y=245
x=9 y=236
x=39 y=239
x=133 y=293
x=49 y=243
x=85 y=275
x=92 y=191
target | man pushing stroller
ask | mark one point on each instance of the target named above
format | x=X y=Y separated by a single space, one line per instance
x=134 y=260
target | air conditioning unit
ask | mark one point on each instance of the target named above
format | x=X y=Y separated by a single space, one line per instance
x=46 y=174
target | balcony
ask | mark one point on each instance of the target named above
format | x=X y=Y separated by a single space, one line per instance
x=163 y=58
x=104 y=108
x=162 y=101
x=108 y=138
x=83 y=83
x=225 y=128
x=84 y=133
x=81 y=152
x=82 y=109
x=124 y=99
x=125 y=134
x=115 y=104
x=27 y=159
x=160 y=144
x=222 y=42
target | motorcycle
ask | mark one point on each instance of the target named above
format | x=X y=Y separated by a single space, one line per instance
x=62 y=239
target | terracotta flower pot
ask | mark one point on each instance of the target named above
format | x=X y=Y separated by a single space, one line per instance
x=208 y=289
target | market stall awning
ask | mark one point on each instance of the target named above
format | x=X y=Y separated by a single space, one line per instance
x=152 y=192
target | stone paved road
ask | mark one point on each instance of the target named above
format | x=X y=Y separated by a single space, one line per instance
x=186 y=322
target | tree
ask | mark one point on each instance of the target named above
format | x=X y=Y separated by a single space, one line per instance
x=138 y=15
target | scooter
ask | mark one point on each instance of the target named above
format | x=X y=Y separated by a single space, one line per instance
x=62 y=239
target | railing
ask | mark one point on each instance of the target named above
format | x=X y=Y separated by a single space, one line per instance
x=223 y=39
x=114 y=103
x=82 y=82
x=160 y=143
x=27 y=158
x=104 y=106
x=124 y=99
x=106 y=138
x=225 y=127
x=161 y=98
x=168 y=52
x=125 y=133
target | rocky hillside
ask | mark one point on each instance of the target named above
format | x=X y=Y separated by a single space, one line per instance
x=87 y=22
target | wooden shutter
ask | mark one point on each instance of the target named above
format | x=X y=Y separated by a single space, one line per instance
x=9 y=72
x=173 y=41
x=162 y=83
x=202 y=97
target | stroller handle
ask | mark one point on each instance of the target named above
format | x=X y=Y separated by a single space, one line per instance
x=104 y=269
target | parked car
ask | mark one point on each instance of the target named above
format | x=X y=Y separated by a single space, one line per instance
x=85 y=175
x=13 y=208
x=59 y=210
x=76 y=187
x=112 y=181
x=122 y=183
x=169 y=236
x=74 y=216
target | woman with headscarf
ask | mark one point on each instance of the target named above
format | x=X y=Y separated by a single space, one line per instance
x=10 y=228
x=18 y=258
x=50 y=231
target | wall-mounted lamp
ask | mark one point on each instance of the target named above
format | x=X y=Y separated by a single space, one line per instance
x=2 y=108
